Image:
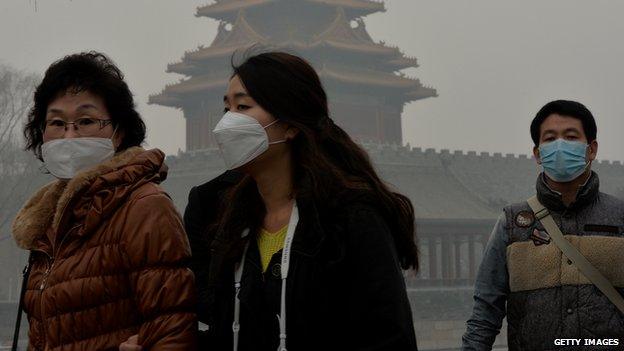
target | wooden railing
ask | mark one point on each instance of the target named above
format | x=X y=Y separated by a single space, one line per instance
x=450 y=252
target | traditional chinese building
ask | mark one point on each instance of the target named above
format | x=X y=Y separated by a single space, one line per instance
x=456 y=195
x=366 y=91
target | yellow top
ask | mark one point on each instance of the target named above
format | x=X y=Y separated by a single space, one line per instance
x=270 y=243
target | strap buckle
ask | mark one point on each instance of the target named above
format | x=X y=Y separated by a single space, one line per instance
x=543 y=213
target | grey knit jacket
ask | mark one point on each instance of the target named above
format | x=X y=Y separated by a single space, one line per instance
x=525 y=277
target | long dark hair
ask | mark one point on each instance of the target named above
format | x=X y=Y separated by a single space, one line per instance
x=326 y=160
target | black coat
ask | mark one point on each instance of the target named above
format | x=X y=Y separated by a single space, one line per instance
x=345 y=286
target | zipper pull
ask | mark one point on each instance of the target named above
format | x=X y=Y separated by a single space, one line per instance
x=45 y=276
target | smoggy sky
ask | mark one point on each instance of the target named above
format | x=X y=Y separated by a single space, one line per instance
x=494 y=63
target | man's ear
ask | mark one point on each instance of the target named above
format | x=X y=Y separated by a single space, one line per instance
x=592 y=150
x=537 y=155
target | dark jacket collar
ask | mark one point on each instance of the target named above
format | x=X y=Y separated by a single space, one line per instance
x=316 y=220
x=320 y=220
x=309 y=233
x=552 y=199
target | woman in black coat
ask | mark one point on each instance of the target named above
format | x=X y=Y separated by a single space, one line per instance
x=344 y=288
x=370 y=320
x=331 y=277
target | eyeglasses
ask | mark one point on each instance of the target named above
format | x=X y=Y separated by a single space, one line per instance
x=85 y=126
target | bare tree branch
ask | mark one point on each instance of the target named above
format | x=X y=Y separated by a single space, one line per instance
x=16 y=93
x=16 y=166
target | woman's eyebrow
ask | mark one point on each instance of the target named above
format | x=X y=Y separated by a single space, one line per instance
x=80 y=108
x=55 y=110
x=86 y=107
x=237 y=95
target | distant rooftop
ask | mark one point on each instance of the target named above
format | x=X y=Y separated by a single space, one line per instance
x=441 y=184
x=227 y=10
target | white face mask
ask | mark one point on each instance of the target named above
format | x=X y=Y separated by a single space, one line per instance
x=241 y=138
x=64 y=158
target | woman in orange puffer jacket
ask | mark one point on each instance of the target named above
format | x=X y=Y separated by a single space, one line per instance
x=108 y=249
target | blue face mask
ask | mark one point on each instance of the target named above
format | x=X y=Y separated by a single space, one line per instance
x=563 y=160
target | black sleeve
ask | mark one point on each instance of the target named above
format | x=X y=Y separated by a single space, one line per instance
x=201 y=210
x=195 y=225
x=379 y=311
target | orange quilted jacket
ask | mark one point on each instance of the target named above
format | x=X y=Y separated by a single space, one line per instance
x=109 y=260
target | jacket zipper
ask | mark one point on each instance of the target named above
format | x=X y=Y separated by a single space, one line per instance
x=42 y=286
x=48 y=271
x=53 y=259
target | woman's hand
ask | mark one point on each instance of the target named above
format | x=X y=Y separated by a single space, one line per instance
x=132 y=344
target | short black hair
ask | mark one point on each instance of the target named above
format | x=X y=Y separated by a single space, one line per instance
x=87 y=71
x=566 y=108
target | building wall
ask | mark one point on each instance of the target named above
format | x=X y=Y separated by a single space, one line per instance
x=368 y=123
x=365 y=117
x=201 y=117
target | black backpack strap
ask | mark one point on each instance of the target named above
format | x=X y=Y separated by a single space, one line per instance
x=18 y=320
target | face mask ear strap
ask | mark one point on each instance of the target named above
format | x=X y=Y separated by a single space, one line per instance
x=589 y=161
x=44 y=170
x=277 y=141
x=112 y=138
x=270 y=124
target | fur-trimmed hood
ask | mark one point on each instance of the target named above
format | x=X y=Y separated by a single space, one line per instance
x=89 y=197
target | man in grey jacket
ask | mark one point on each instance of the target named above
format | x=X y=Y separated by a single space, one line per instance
x=548 y=302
